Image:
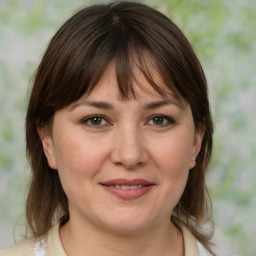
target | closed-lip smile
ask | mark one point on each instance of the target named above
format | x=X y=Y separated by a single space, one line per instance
x=128 y=189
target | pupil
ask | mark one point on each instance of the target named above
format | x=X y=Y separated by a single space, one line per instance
x=158 y=120
x=96 y=120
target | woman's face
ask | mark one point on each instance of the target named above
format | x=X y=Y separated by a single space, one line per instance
x=123 y=164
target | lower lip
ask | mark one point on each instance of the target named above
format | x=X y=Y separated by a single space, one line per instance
x=128 y=194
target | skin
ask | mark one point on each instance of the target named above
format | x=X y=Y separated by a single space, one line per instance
x=126 y=141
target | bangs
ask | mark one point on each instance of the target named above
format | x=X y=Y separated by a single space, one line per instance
x=88 y=51
x=130 y=57
x=83 y=48
x=131 y=61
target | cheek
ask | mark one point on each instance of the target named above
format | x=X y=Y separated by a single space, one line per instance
x=78 y=162
x=78 y=158
x=173 y=153
x=172 y=157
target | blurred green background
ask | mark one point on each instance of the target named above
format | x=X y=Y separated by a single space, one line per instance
x=222 y=32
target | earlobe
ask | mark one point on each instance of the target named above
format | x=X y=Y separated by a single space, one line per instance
x=199 y=135
x=47 y=144
x=192 y=164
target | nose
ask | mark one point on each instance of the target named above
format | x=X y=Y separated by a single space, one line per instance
x=129 y=149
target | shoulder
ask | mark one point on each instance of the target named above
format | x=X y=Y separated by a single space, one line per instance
x=191 y=244
x=24 y=248
x=202 y=250
x=49 y=244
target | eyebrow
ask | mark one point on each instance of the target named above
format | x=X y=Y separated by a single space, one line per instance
x=96 y=104
x=148 y=106
x=162 y=103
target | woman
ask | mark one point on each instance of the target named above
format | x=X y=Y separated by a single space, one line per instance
x=119 y=137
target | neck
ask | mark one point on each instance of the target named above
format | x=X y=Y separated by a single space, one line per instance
x=164 y=240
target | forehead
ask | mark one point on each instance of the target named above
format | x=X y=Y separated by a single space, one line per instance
x=140 y=89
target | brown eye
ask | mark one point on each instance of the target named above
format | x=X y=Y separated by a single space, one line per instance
x=158 y=120
x=97 y=120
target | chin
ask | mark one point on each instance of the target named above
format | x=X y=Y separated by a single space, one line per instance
x=126 y=225
x=127 y=229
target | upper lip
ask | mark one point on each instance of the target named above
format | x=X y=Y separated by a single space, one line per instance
x=127 y=182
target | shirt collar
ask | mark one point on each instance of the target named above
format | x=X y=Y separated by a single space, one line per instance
x=55 y=246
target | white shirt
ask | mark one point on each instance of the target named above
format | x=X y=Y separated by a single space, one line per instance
x=50 y=245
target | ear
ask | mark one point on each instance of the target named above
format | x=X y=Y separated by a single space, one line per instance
x=199 y=135
x=47 y=144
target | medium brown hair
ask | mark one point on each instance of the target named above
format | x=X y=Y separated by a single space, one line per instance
x=130 y=34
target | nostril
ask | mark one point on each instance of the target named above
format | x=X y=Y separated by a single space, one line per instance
x=129 y=152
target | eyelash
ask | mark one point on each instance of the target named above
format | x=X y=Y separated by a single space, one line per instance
x=169 y=120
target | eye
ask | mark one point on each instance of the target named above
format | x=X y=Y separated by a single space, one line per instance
x=160 y=120
x=95 y=120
